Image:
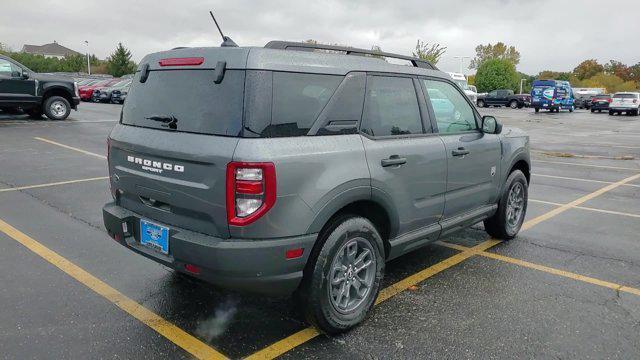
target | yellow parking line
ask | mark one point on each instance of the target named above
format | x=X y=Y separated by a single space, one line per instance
x=70 y=148
x=547 y=269
x=586 y=165
x=578 y=179
x=54 y=184
x=282 y=346
x=588 y=208
x=577 y=202
x=173 y=333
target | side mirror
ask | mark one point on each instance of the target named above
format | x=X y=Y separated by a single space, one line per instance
x=490 y=125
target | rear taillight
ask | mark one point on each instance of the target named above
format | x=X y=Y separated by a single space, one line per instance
x=251 y=191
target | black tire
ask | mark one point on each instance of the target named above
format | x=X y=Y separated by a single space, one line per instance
x=498 y=225
x=537 y=110
x=481 y=103
x=592 y=111
x=57 y=108
x=611 y=112
x=513 y=104
x=314 y=296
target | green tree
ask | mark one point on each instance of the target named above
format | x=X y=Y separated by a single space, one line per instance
x=429 y=52
x=497 y=74
x=587 y=69
x=554 y=75
x=610 y=82
x=497 y=51
x=617 y=68
x=120 y=63
x=73 y=63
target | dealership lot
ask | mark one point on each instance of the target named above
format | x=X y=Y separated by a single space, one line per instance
x=567 y=286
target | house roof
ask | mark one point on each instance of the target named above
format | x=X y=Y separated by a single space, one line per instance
x=49 y=49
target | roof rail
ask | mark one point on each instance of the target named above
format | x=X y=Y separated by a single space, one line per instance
x=290 y=45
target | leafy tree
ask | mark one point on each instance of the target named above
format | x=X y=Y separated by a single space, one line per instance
x=610 y=82
x=72 y=63
x=429 y=52
x=634 y=72
x=497 y=74
x=497 y=51
x=587 y=69
x=618 y=69
x=554 y=75
x=120 y=63
x=526 y=88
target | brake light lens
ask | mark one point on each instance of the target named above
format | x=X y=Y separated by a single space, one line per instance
x=251 y=191
x=188 y=61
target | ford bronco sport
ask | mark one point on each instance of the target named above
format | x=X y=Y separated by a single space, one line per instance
x=301 y=169
x=35 y=93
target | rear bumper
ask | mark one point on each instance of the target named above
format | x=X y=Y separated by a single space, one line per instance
x=623 y=108
x=257 y=266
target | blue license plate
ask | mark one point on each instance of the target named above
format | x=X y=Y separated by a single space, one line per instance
x=154 y=236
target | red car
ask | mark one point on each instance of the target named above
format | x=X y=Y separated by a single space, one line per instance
x=87 y=91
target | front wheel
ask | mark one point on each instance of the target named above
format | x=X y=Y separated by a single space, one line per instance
x=512 y=208
x=537 y=110
x=481 y=103
x=342 y=285
x=513 y=104
x=57 y=108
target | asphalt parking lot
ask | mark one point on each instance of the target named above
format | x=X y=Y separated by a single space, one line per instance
x=567 y=287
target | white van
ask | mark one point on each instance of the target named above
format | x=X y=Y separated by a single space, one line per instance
x=469 y=90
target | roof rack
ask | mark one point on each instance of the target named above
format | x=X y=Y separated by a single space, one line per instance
x=290 y=45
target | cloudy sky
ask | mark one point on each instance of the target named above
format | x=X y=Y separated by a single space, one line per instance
x=550 y=35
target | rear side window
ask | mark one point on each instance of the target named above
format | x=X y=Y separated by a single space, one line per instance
x=391 y=107
x=298 y=99
x=191 y=97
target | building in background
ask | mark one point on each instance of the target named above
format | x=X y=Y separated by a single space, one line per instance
x=49 y=50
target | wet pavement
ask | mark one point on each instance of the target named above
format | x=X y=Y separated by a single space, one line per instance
x=481 y=307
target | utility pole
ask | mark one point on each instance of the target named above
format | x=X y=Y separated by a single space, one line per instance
x=462 y=61
x=88 y=63
x=521 y=84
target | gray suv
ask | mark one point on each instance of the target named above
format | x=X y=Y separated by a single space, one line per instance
x=301 y=169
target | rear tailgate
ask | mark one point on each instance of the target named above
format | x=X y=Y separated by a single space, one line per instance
x=178 y=131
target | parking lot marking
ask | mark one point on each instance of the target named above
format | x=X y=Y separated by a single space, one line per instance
x=586 y=165
x=290 y=342
x=579 y=179
x=547 y=269
x=70 y=147
x=588 y=208
x=171 y=332
x=53 y=184
x=574 y=203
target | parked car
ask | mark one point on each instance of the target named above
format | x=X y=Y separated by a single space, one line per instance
x=502 y=97
x=600 y=102
x=625 y=102
x=86 y=92
x=118 y=96
x=553 y=95
x=105 y=94
x=257 y=169
x=21 y=88
x=469 y=90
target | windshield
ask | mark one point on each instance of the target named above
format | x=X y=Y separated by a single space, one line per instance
x=625 y=96
x=463 y=84
x=187 y=101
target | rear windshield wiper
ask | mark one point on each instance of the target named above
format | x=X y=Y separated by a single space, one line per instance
x=169 y=121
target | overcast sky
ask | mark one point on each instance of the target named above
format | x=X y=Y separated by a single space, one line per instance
x=550 y=35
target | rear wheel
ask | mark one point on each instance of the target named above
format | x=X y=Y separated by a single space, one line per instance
x=481 y=103
x=592 y=111
x=57 y=108
x=513 y=104
x=512 y=208
x=344 y=281
x=537 y=109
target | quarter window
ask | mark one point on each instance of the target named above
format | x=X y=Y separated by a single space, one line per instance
x=5 y=68
x=452 y=111
x=391 y=107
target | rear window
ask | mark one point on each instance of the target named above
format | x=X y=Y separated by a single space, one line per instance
x=625 y=96
x=191 y=97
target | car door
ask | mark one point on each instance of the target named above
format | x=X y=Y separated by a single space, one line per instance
x=406 y=160
x=14 y=88
x=473 y=157
x=491 y=97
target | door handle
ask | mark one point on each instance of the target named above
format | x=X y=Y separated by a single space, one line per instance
x=393 y=160
x=460 y=152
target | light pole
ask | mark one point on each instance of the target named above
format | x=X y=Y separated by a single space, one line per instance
x=521 y=84
x=462 y=61
x=88 y=63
